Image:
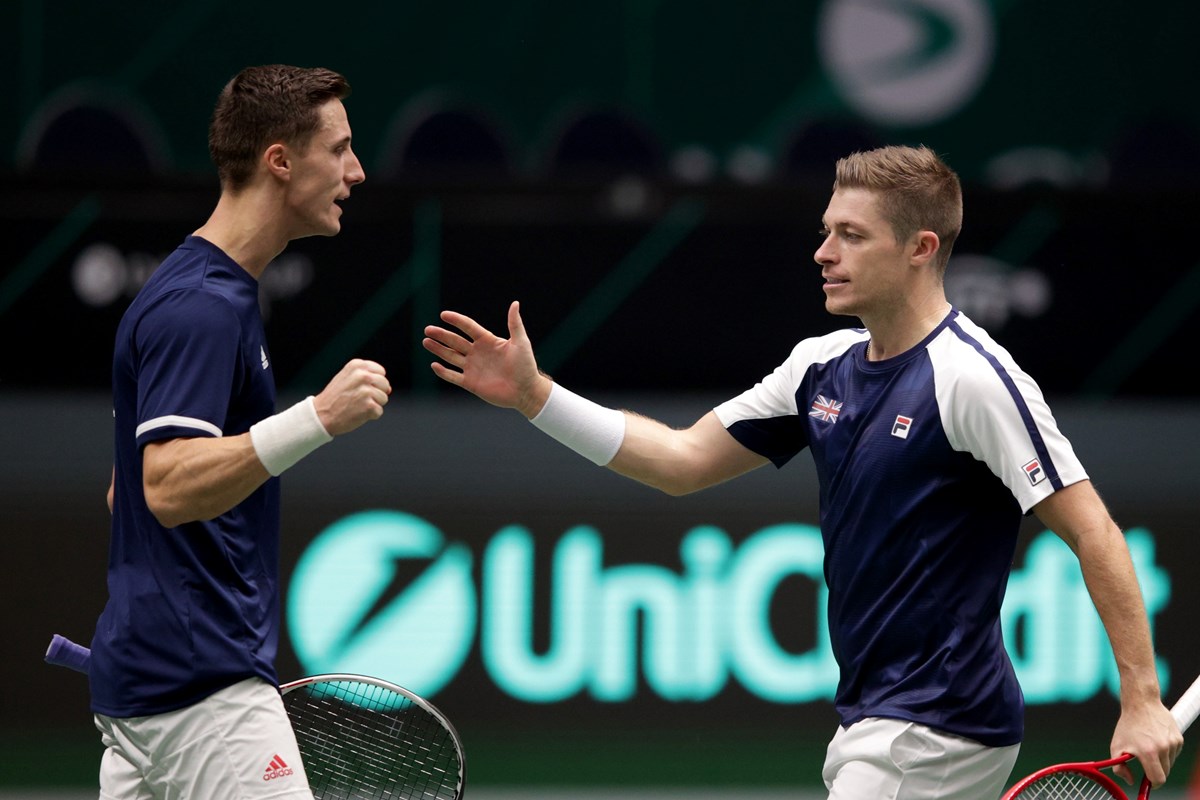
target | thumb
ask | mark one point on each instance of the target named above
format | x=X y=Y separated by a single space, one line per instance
x=516 y=328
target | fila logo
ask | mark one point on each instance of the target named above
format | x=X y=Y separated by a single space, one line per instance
x=263 y=352
x=901 y=425
x=1034 y=471
x=278 y=768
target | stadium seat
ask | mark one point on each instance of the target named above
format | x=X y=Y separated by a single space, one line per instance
x=816 y=146
x=91 y=135
x=604 y=142
x=447 y=142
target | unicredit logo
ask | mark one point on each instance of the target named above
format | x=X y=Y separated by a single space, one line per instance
x=380 y=591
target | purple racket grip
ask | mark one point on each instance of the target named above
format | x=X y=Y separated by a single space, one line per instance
x=62 y=652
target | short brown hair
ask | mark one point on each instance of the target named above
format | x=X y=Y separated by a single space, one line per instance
x=917 y=191
x=263 y=105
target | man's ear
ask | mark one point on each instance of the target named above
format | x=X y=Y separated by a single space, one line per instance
x=925 y=245
x=278 y=161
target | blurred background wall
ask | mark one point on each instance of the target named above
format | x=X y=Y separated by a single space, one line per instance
x=647 y=177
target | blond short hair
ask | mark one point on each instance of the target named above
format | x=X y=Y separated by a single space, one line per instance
x=917 y=191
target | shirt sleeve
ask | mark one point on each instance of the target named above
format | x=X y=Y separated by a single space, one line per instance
x=188 y=347
x=764 y=418
x=994 y=410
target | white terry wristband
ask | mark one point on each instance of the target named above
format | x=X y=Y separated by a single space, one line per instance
x=282 y=440
x=593 y=431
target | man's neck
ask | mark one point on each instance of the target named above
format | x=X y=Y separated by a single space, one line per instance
x=890 y=338
x=246 y=227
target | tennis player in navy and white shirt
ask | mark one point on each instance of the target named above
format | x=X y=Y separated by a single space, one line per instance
x=182 y=666
x=939 y=450
x=930 y=444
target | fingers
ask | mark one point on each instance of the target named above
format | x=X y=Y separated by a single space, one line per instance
x=1155 y=765
x=465 y=324
x=372 y=377
x=452 y=357
x=449 y=346
x=456 y=349
x=1158 y=769
x=356 y=395
x=1154 y=773
x=449 y=338
x=473 y=330
x=446 y=345
x=448 y=375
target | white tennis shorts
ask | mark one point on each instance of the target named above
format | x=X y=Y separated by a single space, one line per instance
x=891 y=759
x=237 y=744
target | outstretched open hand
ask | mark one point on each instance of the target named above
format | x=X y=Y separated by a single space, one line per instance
x=501 y=371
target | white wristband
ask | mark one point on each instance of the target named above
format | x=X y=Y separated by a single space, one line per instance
x=282 y=440
x=593 y=431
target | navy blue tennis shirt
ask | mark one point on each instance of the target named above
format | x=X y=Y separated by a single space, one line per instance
x=926 y=463
x=195 y=608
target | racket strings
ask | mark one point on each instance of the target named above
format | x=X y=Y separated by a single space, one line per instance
x=359 y=740
x=1067 y=786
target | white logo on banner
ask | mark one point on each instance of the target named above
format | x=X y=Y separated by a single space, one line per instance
x=906 y=62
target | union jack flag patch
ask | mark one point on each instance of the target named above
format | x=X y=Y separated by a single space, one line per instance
x=825 y=409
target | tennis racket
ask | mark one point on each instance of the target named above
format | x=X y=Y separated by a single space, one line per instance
x=360 y=738
x=1084 y=780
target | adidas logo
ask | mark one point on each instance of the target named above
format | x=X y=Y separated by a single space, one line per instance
x=263 y=352
x=278 y=768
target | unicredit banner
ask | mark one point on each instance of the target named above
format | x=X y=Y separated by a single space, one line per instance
x=575 y=625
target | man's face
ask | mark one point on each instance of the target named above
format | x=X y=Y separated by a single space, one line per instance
x=322 y=174
x=864 y=267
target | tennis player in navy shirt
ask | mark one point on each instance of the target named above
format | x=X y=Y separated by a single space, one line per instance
x=930 y=444
x=182 y=668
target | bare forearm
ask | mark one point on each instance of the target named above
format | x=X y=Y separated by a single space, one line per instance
x=679 y=462
x=656 y=455
x=1112 y=582
x=1145 y=728
x=195 y=479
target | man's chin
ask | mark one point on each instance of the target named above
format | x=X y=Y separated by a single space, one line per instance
x=838 y=309
x=323 y=230
x=329 y=227
x=331 y=223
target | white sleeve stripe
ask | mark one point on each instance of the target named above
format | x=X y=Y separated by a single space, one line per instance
x=173 y=420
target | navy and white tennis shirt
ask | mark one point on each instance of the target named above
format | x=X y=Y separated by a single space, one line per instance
x=191 y=609
x=926 y=463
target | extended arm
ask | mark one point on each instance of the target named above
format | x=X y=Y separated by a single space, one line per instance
x=504 y=373
x=1145 y=728
x=200 y=478
x=681 y=461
